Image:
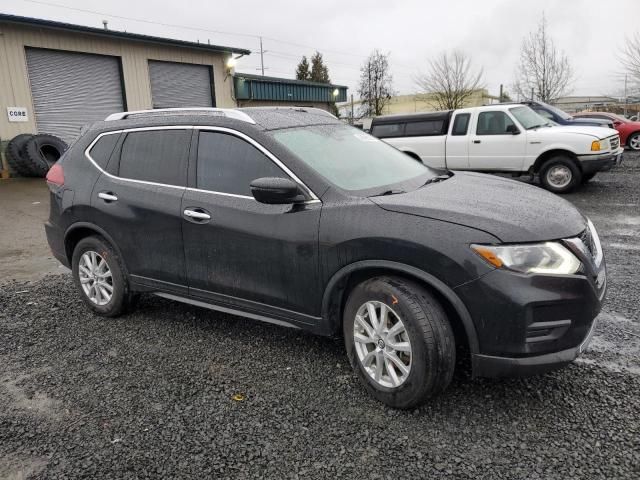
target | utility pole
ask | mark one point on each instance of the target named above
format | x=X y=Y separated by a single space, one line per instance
x=532 y=94
x=625 y=95
x=500 y=100
x=261 y=57
x=352 y=109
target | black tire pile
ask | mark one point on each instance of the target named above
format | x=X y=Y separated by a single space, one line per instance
x=33 y=155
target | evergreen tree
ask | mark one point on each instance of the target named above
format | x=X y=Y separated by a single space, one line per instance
x=302 y=71
x=319 y=71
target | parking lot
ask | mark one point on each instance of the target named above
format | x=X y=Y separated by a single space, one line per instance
x=178 y=392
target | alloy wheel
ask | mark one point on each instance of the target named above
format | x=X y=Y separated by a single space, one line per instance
x=95 y=278
x=382 y=344
x=634 y=142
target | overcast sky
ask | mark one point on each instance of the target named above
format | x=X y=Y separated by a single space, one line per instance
x=489 y=31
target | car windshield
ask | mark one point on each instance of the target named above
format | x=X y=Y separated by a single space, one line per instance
x=619 y=118
x=557 y=111
x=350 y=159
x=528 y=118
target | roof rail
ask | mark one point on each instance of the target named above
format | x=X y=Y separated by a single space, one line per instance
x=227 y=112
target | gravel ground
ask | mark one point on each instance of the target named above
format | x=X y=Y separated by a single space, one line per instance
x=176 y=391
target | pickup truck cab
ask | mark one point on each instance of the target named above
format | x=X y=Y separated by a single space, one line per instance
x=503 y=139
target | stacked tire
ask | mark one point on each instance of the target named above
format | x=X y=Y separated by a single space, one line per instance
x=33 y=155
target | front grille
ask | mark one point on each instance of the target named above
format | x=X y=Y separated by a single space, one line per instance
x=615 y=142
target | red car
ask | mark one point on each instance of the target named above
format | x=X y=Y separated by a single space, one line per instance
x=629 y=131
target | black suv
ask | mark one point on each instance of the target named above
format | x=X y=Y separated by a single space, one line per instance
x=287 y=215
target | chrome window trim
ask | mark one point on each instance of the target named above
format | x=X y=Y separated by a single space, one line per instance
x=273 y=158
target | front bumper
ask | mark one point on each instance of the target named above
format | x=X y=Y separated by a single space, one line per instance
x=600 y=162
x=530 y=324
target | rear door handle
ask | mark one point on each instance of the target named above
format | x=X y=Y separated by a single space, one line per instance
x=197 y=214
x=108 y=196
x=476 y=141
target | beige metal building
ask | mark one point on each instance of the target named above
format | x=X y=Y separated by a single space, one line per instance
x=56 y=77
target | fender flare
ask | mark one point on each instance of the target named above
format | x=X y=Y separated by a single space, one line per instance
x=90 y=226
x=418 y=274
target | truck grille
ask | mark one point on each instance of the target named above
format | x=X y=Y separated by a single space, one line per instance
x=615 y=142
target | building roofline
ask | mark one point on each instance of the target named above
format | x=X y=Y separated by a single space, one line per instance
x=260 y=78
x=38 y=22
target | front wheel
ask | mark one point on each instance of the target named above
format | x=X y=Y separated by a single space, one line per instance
x=634 y=141
x=399 y=341
x=560 y=175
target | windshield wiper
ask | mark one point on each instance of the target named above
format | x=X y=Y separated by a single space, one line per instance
x=438 y=178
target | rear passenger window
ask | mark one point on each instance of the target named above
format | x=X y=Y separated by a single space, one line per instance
x=158 y=156
x=103 y=148
x=228 y=164
x=388 y=130
x=461 y=124
x=426 y=128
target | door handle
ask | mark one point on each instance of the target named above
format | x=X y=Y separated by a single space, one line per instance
x=108 y=196
x=196 y=214
x=476 y=141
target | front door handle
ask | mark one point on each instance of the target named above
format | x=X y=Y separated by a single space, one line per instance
x=476 y=141
x=196 y=214
x=108 y=196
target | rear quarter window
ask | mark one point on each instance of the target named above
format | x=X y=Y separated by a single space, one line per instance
x=103 y=148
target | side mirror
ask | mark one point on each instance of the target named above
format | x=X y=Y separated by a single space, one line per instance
x=273 y=190
x=513 y=130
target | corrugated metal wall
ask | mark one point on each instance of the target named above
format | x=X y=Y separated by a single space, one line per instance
x=258 y=89
x=14 y=83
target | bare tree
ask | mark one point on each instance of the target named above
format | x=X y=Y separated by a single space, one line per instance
x=451 y=80
x=544 y=72
x=630 y=58
x=375 y=88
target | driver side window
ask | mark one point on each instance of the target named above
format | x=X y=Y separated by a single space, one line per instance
x=494 y=123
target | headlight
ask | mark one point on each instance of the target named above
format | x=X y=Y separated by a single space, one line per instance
x=599 y=145
x=548 y=257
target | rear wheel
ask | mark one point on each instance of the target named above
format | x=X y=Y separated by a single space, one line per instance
x=99 y=275
x=399 y=341
x=560 y=175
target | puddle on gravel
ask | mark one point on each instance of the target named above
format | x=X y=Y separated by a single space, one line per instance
x=24 y=399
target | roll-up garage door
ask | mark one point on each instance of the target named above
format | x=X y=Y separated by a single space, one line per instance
x=180 y=85
x=70 y=90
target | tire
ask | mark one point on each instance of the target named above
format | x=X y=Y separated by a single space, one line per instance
x=41 y=152
x=633 y=142
x=427 y=332
x=587 y=177
x=121 y=298
x=553 y=171
x=15 y=157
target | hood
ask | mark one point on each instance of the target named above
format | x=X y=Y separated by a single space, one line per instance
x=509 y=210
x=598 y=132
x=589 y=121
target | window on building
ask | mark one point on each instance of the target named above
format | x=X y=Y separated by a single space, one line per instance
x=158 y=156
x=229 y=164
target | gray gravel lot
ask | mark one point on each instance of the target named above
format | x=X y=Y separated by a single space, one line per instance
x=151 y=394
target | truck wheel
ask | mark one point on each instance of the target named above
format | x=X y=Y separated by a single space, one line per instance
x=399 y=341
x=15 y=157
x=634 y=141
x=560 y=175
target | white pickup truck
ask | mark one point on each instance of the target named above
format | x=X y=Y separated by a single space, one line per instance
x=504 y=139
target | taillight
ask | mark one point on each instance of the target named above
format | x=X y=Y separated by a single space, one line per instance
x=55 y=175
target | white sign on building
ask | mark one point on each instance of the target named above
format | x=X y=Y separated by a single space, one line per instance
x=17 y=114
